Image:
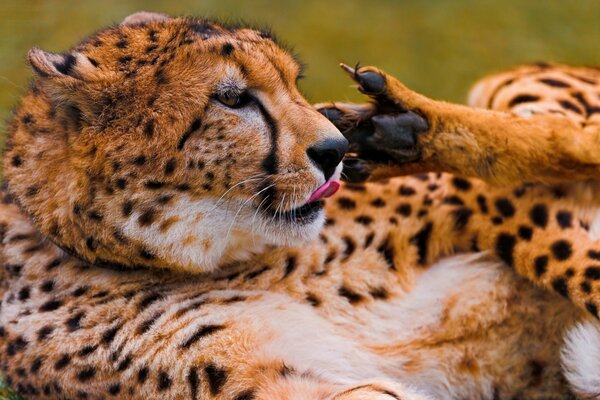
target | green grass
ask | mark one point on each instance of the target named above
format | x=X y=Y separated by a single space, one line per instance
x=438 y=47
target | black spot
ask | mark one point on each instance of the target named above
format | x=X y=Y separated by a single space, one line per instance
x=87 y=350
x=16 y=161
x=153 y=185
x=349 y=294
x=561 y=249
x=378 y=203
x=194 y=382
x=363 y=220
x=147 y=217
x=62 y=362
x=66 y=66
x=74 y=323
x=149 y=128
x=47 y=286
x=164 y=381
x=453 y=200
x=505 y=245
x=350 y=246
x=44 y=332
x=554 y=83
x=91 y=243
x=114 y=389
x=355 y=187
x=539 y=215
x=122 y=43
x=592 y=273
x=24 y=293
x=146 y=254
x=594 y=255
x=140 y=160
x=346 y=203
x=564 y=219
x=387 y=251
x=560 y=286
x=202 y=332
x=421 y=240
x=161 y=76
x=406 y=191
x=80 y=291
x=216 y=378
x=525 y=232
x=86 y=374
x=36 y=365
x=50 y=305
x=290 y=266
x=227 y=49
x=147 y=324
x=404 y=210
x=520 y=191
x=313 y=300
x=592 y=308
x=95 y=215
x=247 y=395
x=461 y=184
x=147 y=300
x=570 y=106
x=170 y=166
x=109 y=335
x=17 y=345
x=523 y=98
x=586 y=287
x=182 y=187
x=505 y=207
x=124 y=364
x=258 y=272
x=142 y=374
x=186 y=135
x=369 y=239
x=379 y=293
x=461 y=217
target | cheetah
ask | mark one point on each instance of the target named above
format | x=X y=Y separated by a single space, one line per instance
x=169 y=232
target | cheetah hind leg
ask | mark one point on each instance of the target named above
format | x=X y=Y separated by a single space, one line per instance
x=402 y=132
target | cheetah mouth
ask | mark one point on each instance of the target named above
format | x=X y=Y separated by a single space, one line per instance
x=303 y=215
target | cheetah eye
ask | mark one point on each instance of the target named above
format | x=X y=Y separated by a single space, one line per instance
x=234 y=101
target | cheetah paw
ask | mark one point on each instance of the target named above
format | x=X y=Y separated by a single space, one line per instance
x=384 y=132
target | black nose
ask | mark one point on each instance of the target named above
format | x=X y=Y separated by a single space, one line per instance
x=327 y=154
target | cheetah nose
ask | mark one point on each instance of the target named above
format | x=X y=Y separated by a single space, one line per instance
x=327 y=154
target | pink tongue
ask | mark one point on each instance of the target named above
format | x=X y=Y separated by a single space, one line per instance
x=328 y=189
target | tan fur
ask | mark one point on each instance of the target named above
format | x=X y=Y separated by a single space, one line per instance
x=375 y=307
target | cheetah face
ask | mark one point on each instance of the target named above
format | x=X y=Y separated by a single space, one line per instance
x=179 y=143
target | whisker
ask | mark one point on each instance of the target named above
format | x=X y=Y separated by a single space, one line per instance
x=242 y=206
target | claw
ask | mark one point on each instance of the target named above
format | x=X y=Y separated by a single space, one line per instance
x=351 y=71
x=371 y=83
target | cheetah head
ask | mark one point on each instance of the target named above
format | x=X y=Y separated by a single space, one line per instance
x=171 y=142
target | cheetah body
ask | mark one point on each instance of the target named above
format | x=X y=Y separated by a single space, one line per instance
x=375 y=307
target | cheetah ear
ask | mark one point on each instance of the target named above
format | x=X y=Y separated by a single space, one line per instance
x=142 y=17
x=68 y=66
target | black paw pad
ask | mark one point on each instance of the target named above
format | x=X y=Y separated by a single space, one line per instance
x=332 y=114
x=355 y=170
x=371 y=82
x=397 y=131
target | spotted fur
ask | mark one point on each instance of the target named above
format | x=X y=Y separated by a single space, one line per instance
x=138 y=264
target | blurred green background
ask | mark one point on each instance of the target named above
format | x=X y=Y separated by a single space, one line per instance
x=434 y=46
